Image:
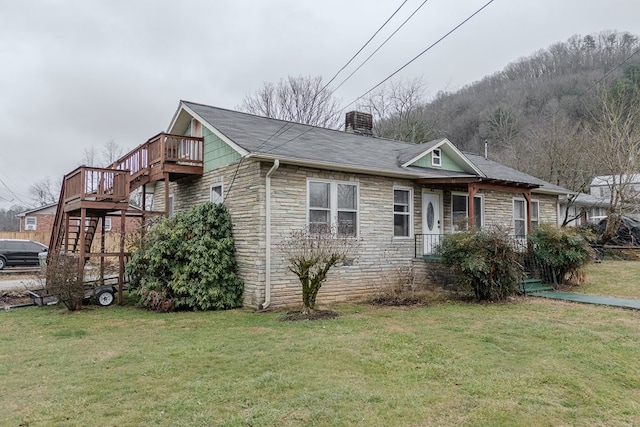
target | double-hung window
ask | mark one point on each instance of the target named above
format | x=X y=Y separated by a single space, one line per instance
x=333 y=205
x=107 y=224
x=402 y=212
x=520 y=217
x=460 y=211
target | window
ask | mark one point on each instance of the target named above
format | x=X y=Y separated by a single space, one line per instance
x=436 y=159
x=30 y=223
x=535 y=214
x=107 y=224
x=402 y=212
x=333 y=201
x=519 y=217
x=216 y=194
x=460 y=211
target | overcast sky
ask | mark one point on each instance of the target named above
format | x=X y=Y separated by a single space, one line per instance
x=76 y=74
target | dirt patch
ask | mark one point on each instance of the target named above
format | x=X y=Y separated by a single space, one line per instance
x=312 y=315
x=11 y=297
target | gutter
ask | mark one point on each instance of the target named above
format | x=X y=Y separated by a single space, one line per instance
x=267 y=274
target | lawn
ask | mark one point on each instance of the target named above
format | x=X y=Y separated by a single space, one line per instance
x=532 y=362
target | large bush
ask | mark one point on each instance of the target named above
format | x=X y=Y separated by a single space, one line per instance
x=187 y=262
x=562 y=251
x=485 y=260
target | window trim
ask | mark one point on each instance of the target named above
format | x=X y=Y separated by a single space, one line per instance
x=524 y=219
x=211 y=187
x=30 y=227
x=409 y=213
x=466 y=196
x=333 y=202
x=436 y=157
x=108 y=224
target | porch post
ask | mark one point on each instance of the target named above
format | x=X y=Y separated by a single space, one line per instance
x=472 y=190
x=123 y=213
x=83 y=243
x=166 y=194
x=527 y=197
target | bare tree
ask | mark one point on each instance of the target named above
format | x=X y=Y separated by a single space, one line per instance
x=297 y=99
x=617 y=129
x=111 y=152
x=311 y=254
x=397 y=111
x=104 y=156
x=89 y=157
x=44 y=192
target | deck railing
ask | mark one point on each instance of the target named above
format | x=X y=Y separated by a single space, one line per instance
x=162 y=149
x=97 y=184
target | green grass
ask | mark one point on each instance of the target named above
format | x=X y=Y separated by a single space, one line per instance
x=534 y=362
x=613 y=278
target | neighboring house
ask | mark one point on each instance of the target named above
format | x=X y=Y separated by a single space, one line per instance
x=38 y=219
x=42 y=219
x=397 y=198
x=582 y=209
x=628 y=185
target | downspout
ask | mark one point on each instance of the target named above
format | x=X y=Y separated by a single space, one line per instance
x=267 y=263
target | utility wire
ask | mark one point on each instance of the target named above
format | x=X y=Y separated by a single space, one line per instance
x=362 y=48
x=394 y=73
x=379 y=47
x=420 y=54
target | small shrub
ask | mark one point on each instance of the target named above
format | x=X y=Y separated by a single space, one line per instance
x=485 y=261
x=187 y=262
x=311 y=253
x=64 y=282
x=564 y=251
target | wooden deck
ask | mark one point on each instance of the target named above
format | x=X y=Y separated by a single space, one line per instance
x=88 y=194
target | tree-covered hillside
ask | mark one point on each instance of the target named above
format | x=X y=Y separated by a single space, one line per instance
x=540 y=114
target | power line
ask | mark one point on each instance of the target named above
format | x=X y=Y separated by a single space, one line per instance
x=396 y=72
x=421 y=53
x=364 y=46
x=379 y=47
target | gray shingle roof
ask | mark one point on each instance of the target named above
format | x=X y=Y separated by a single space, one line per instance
x=281 y=139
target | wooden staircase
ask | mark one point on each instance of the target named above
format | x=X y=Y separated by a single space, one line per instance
x=88 y=195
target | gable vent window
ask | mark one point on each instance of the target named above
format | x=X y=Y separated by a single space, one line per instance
x=436 y=157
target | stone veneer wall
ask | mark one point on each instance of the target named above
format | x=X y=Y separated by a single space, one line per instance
x=244 y=198
x=380 y=256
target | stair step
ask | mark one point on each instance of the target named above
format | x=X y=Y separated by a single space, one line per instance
x=538 y=288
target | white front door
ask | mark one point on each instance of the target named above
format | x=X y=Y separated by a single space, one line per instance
x=431 y=220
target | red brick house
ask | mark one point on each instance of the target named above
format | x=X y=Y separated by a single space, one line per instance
x=41 y=219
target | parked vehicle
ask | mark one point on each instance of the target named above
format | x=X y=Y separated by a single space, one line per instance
x=15 y=252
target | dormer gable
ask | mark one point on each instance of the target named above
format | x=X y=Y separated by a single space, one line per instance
x=438 y=154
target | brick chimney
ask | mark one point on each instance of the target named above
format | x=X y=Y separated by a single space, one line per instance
x=359 y=122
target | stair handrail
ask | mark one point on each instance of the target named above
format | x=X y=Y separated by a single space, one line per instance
x=57 y=234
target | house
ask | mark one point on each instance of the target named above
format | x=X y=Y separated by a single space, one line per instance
x=38 y=219
x=397 y=198
x=42 y=219
x=582 y=209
